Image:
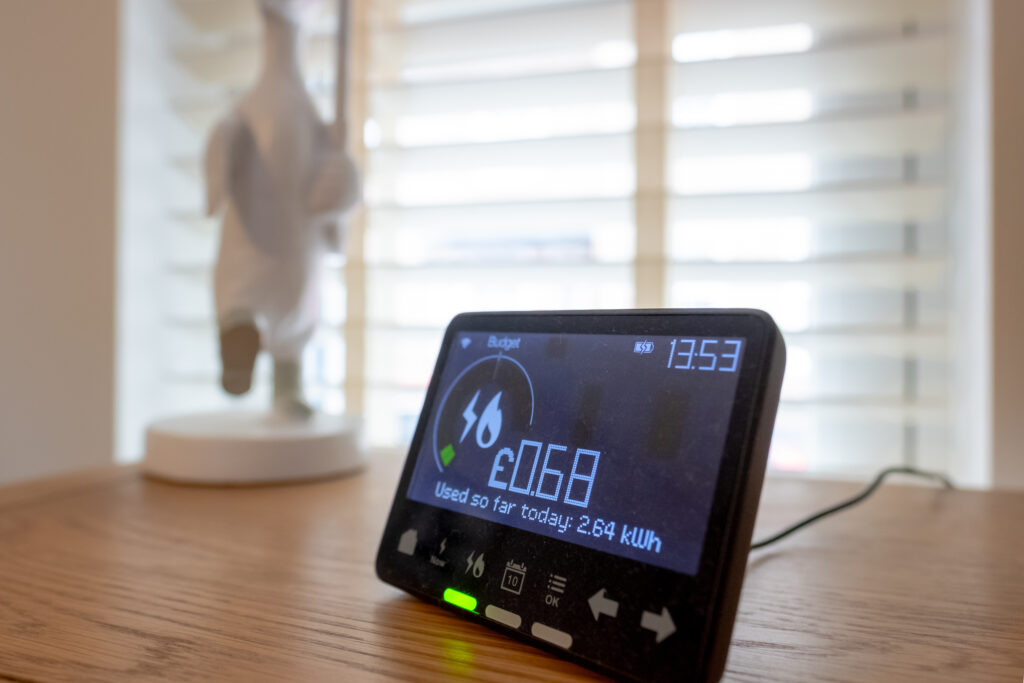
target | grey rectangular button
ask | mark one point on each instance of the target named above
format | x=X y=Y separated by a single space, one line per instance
x=552 y=635
x=503 y=616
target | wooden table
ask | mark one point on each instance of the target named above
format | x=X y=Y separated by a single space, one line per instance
x=107 y=576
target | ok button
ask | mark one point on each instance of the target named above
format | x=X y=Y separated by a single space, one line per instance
x=556 y=588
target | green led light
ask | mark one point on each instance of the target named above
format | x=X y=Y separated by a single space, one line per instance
x=460 y=599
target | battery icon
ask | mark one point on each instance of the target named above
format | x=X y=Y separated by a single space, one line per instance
x=643 y=347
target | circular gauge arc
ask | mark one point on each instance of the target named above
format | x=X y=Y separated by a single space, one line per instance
x=479 y=403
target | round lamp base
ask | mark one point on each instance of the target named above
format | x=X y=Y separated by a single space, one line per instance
x=239 y=448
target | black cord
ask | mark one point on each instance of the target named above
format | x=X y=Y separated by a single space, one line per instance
x=853 y=501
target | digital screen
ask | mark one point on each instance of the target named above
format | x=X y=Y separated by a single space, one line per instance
x=612 y=442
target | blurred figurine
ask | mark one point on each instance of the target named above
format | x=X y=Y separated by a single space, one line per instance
x=284 y=180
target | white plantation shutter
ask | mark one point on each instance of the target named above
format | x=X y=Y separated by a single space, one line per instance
x=807 y=162
x=500 y=175
x=528 y=154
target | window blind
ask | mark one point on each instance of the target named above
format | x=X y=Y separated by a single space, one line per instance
x=500 y=175
x=808 y=151
x=529 y=154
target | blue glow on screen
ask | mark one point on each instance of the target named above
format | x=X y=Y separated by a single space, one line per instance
x=611 y=442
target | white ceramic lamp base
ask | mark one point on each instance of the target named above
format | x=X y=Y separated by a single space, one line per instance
x=239 y=448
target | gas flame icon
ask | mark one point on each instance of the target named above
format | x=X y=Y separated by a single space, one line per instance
x=490 y=424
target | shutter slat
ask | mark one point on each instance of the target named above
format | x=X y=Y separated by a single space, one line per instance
x=713 y=15
x=897 y=203
x=896 y=133
x=918 y=61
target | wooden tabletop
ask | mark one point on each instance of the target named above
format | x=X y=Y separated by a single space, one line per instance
x=106 y=576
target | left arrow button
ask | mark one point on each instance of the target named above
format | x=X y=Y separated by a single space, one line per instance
x=600 y=604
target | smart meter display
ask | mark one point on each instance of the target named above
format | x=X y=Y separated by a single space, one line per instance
x=612 y=442
x=587 y=481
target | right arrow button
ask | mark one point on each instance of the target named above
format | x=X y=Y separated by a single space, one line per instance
x=661 y=624
x=600 y=604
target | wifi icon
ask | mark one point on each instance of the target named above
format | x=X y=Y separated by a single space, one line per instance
x=465 y=342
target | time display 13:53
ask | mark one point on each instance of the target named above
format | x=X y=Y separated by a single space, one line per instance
x=719 y=355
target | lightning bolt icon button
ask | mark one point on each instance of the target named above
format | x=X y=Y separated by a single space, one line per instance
x=469 y=416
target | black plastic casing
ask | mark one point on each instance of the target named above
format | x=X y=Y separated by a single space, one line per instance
x=702 y=606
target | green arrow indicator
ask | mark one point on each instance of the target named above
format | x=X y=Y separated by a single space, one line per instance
x=447 y=453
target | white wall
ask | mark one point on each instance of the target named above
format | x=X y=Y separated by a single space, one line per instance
x=58 y=124
x=971 y=238
x=1007 y=247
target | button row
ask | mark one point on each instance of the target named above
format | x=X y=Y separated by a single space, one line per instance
x=537 y=629
x=661 y=624
x=512 y=581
